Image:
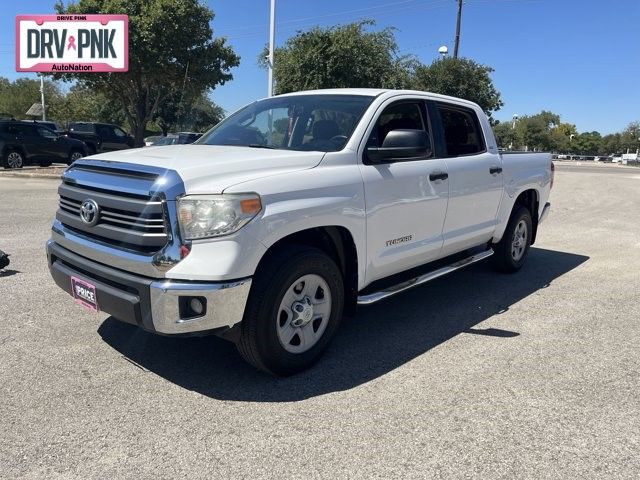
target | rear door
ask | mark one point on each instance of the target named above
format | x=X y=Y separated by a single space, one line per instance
x=34 y=145
x=475 y=178
x=405 y=201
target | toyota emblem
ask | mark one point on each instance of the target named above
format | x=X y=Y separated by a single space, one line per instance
x=89 y=212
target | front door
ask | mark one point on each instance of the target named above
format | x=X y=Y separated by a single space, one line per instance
x=405 y=201
x=54 y=149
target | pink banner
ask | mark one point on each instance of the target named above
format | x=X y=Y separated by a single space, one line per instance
x=72 y=43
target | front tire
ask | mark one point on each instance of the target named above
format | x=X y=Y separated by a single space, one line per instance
x=293 y=312
x=13 y=159
x=74 y=155
x=511 y=252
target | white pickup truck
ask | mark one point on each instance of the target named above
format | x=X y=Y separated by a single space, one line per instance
x=290 y=213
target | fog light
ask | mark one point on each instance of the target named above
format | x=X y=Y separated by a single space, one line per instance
x=192 y=307
x=196 y=306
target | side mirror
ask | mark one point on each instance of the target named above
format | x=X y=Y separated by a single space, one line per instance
x=400 y=145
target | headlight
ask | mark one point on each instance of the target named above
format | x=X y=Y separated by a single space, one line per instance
x=206 y=216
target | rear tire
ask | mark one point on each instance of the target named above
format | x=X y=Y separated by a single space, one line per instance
x=511 y=252
x=294 y=309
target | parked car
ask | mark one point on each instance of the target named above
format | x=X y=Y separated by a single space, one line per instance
x=267 y=238
x=188 y=137
x=148 y=141
x=101 y=137
x=23 y=143
x=50 y=125
x=170 y=139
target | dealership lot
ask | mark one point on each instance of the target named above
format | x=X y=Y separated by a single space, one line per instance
x=482 y=375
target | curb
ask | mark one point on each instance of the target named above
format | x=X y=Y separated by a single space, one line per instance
x=31 y=175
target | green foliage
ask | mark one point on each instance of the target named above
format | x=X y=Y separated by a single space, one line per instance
x=84 y=104
x=587 y=143
x=340 y=57
x=188 y=112
x=630 y=138
x=16 y=97
x=170 y=44
x=506 y=135
x=461 y=78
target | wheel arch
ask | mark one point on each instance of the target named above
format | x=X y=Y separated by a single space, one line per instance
x=529 y=198
x=337 y=242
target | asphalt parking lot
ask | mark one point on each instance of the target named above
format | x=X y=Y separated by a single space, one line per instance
x=476 y=375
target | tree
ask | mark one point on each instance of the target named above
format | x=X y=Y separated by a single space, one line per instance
x=611 y=144
x=190 y=111
x=587 y=143
x=341 y=57
x=16 y=97
x=84 y=104
x=506 y=135
x=170 y=43
x=630 y=138
x=461 y=78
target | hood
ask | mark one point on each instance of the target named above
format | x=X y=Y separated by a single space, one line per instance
x=213 y=168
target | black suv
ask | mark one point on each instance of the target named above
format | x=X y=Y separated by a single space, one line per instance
x=24 y=143
x=111 y=137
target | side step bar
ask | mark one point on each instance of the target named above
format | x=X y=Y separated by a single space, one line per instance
x=427 y=277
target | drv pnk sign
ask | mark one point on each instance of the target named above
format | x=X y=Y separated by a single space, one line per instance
x=72 y=43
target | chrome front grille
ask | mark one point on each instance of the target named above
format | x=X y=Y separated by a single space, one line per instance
x=127 y=218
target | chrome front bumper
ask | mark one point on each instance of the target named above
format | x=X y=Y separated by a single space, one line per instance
x=225 y=305
x=152 y=304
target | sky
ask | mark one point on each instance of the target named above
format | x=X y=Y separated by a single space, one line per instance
x=577 y=58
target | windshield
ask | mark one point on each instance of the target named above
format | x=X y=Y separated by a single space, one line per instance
x=298 y=122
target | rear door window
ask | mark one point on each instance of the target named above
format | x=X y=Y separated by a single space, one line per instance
x=105 y=131
x=461 y=129
x=26 y=130
x=47 y=133
x=119 y=132
x=81 y=127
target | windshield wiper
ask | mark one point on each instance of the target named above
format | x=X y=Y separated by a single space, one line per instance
x=258 y=145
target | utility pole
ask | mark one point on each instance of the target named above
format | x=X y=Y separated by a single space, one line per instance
x=272 y=41
x=457 y=45
x=44 y=115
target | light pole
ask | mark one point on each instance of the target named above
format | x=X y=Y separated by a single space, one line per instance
x=513 y=127
x=570 y=140
x=44 y=115
x=457 y=44
x=272 y=41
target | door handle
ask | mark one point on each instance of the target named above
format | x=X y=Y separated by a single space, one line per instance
x=438 y=175
x=494 y=169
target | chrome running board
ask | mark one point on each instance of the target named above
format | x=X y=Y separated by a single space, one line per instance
x=427 y=277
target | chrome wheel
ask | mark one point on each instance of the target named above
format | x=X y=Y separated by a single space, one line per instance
x=304 y=313
x=75 y=156
x=14 y=160
x=519 y=241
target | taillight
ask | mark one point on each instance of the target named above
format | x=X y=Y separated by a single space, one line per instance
x=553 y=174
